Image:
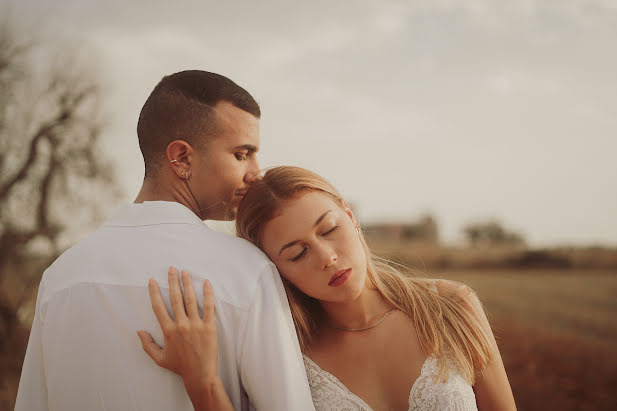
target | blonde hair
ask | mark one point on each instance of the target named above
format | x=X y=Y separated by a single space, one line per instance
x=444 y=323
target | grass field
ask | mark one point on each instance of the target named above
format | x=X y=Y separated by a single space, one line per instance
x=557 y=333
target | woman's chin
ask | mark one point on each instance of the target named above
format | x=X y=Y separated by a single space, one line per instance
x=345 y=294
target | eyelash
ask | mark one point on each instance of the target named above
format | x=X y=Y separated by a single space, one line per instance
x=299 y=256
x=330 y=230
x=240 y=157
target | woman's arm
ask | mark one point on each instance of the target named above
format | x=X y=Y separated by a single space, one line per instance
x=491 y=387
x=190 y=348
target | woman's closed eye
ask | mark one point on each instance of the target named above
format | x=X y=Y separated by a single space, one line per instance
x=299 y=256
x=330 y=230
x=303 y=252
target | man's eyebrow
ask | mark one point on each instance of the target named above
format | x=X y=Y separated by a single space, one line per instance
x=321 y=217
x=248 y=147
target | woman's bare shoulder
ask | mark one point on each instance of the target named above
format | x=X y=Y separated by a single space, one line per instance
x=459 y=291
x=446 y=287
x=451 y=287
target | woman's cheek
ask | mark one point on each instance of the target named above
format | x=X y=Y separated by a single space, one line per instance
x=285 y=274
x=295 y=277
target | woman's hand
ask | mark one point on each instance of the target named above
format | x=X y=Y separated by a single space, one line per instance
x=190 y=347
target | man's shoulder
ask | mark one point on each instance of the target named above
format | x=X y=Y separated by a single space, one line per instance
x=222 y=250
x=128 y=256
x=181 y=240
x=234 y=244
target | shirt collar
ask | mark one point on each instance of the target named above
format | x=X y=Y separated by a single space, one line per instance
x=153 y=212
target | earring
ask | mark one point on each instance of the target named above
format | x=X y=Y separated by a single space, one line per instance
x=174 y=161
x=183 y=174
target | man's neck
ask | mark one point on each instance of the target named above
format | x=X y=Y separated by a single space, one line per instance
x=153 y=192
x=159 y=191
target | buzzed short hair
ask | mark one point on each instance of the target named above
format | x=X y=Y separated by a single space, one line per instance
x=181 y=107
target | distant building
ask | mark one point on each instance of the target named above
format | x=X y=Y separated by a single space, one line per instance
x=424 y=230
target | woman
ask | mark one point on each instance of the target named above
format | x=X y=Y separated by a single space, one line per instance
x=371 y=337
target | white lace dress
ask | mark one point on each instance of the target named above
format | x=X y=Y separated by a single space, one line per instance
x=455 y=394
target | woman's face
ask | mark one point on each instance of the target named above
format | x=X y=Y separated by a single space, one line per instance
x=316 y=246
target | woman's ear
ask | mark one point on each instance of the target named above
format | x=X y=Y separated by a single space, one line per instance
x=349 y=212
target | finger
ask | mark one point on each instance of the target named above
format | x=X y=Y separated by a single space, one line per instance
x=158 y=306
x=190 y=302
x=175 y=294
x=208 y=302
x=151 y=348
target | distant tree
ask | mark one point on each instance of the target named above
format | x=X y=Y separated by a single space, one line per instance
x=491 y=233
x=53 y=177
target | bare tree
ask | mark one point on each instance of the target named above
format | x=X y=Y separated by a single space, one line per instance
x=53 y=176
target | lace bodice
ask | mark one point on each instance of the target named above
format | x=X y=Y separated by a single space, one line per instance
x=455 y=394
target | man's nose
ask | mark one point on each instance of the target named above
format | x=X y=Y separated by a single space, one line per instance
x=253 y=173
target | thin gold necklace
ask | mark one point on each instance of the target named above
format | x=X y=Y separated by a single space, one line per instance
x=365 y=328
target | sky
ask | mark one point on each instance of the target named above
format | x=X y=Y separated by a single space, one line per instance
x=467 y=110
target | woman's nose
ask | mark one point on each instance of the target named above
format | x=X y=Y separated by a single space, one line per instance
x=329 y=258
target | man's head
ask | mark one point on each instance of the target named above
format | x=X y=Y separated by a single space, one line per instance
x=198 y=133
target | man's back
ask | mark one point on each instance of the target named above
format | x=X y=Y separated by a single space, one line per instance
x=84 y=353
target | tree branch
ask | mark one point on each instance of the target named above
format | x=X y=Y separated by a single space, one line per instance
x=43 y=222
x=69 y=105
x=41 y=133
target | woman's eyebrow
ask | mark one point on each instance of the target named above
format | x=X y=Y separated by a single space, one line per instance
x=321 y=217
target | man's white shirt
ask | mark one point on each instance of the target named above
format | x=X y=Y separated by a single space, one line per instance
x=84 y=353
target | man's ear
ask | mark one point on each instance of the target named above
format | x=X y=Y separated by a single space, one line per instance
x=179 y=156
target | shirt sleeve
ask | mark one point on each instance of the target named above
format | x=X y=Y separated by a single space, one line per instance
x=32 y=391
x=271 y=366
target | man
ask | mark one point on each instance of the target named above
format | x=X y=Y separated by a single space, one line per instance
x=199 y=136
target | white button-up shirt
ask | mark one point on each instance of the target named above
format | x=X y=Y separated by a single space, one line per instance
x=84 y=353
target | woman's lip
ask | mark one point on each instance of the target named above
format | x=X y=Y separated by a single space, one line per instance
x=339 y=277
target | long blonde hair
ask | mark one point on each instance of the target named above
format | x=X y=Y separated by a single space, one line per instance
x=444 y=324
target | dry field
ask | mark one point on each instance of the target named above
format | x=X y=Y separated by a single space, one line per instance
x=556 y=331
